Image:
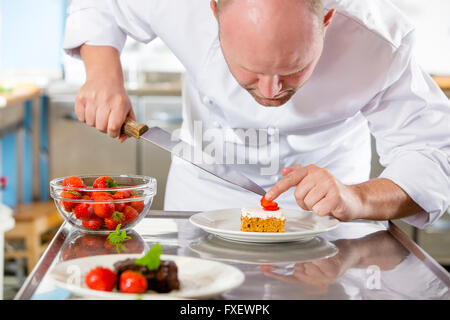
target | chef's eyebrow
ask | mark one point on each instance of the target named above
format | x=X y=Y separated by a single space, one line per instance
x=282 y=75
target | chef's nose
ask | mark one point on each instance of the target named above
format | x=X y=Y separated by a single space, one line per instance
x=269 y=86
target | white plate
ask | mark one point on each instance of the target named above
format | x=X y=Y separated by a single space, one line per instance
x=299 y=226
x=198 y=278
x=213 y=247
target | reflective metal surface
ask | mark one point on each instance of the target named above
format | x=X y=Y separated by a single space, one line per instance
x=357 y=260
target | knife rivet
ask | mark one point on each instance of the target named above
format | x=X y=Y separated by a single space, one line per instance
x=271 y=131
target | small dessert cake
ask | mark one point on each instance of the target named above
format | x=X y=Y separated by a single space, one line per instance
x=260 y=220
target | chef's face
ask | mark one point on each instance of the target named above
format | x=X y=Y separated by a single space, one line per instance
x=268 y=56
x=271 y=87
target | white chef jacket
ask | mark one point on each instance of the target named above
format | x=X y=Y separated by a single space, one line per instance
x=366 y=81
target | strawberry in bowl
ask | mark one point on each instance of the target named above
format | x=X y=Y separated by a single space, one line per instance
x=98 y=204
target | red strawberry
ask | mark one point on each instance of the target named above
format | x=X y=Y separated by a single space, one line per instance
x=68 y=205
x=102 y=279
x=87 y=192
x=104 y=183
x=266 y=204
x=74 y=182
x=138 y=205
x=67 y=254
x=94 y=223
x=119 y=206
x=104 y=209
x=127 y=193
x=93 y=241
x=116 y=219
x=96 y=194
x=130 y=214
x=81 y=252
x=132 y=282
x=133 y=246
x=271 y=208
x=83 y=211
x=110 y=247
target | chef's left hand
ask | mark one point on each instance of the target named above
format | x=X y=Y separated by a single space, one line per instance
x=317 y=190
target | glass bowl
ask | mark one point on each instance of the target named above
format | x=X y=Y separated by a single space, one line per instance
x=102 y=209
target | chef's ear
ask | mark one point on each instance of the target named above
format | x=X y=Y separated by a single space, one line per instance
x=328 y=17
x=213 y=5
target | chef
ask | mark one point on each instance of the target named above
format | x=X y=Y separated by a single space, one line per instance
x=310 y=79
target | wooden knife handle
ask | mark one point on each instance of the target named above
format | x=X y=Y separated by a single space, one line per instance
x=134 y=129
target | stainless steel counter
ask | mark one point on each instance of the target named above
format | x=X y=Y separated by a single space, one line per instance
x=358 y=260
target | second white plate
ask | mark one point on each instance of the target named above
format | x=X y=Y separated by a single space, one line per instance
x=199 y=278
x=299 y=226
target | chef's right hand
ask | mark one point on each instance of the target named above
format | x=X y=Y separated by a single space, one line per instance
x=102 y=101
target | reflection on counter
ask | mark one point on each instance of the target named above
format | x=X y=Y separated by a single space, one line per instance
x=81 y=244
x=370 y=266
x=213 y=247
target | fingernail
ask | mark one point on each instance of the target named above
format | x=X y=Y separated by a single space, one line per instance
x=268 y=196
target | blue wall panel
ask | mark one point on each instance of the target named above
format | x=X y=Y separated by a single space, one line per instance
x=9 y=169
x=27 y=161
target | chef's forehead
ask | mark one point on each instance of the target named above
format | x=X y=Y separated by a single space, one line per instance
x=316 y=6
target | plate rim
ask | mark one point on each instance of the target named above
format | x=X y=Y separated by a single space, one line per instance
x=265 y=235
x=84 y=291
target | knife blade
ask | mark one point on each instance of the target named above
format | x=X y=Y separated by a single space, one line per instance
x=185 y=151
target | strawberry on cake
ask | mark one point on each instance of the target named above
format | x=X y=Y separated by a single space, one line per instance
x=269 y=218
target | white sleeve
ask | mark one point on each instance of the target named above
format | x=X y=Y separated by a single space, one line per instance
x=410 y=121
x=106 y=23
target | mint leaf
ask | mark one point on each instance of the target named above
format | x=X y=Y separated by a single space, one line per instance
x=152 y=258
x=118 y=237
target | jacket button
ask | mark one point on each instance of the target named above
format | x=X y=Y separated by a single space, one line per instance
x=207 y=100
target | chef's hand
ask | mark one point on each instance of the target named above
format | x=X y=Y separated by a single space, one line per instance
x=316 y=189
x=103 y=102
x=319 y=273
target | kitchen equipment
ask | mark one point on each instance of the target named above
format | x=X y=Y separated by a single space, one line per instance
x=181 y=149
x=143 y=189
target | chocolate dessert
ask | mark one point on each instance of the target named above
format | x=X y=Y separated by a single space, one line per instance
x=162 y=280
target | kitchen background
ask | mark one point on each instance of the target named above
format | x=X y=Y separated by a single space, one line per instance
x=41 y=138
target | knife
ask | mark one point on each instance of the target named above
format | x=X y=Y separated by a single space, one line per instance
x=182 y=149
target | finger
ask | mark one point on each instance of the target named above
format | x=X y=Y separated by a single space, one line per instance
x=80 y=109
x=284 y=278
x=299 y=267
x=316 y=194
x=324 y=207
x=101 y=119
x=302 y=189
x=290 y=180
x=116 y=121
x=90 y=114
x=328 y=267
x=312 y=270
x=123 y=136
x=266 y=268
x=288 y=170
